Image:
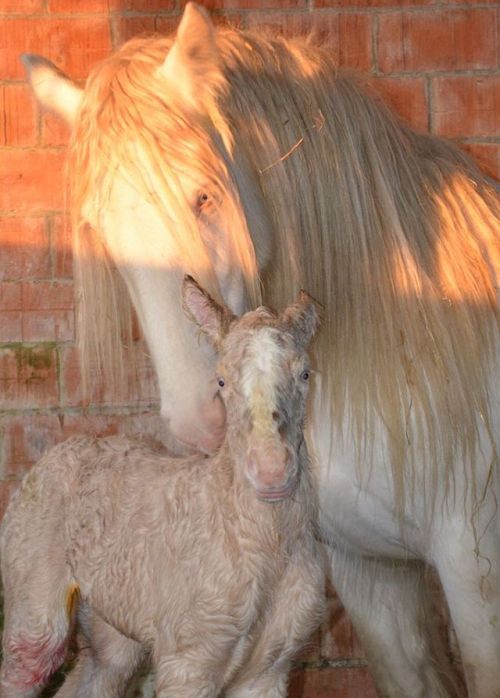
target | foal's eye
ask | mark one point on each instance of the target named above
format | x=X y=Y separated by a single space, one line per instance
x=221 y=382
x=202 y=199
x=305 y=375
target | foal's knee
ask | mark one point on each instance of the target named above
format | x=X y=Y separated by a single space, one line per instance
x=29 y=661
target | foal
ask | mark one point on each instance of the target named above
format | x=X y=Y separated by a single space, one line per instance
x=209 y=566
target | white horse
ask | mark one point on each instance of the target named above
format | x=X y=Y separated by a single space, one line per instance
x=251 y=163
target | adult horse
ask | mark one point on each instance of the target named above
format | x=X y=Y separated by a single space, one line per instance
x=252 y=164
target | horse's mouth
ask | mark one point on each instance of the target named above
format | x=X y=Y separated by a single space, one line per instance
x=278 y=494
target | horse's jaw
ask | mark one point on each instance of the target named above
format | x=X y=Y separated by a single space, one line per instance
x=202 y=435
x=145 y=252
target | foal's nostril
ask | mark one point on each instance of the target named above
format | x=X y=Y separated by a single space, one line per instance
x=280 y=421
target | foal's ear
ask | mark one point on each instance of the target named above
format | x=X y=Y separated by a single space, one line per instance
x=302 y=318
x=53 y=89
x=212 y=319
x=191 y=67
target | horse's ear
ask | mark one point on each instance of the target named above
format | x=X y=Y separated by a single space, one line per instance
x=53 y=89
x=302 y=318
x=191 y=67
x=212 y=319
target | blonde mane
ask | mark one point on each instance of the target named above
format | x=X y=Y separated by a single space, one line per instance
x=396 y=234
x=125 y=103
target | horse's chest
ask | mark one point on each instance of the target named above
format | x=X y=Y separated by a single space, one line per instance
x=357 y=505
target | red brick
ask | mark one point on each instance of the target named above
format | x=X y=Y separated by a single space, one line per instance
x=48 y=326
x=487 y=155
x=83 y=6
x=31 y=180
x=149 y=5
x=141 y=384
x=48 y=314
x=74 y=45
x=348 y=36
x=355 y=42
x=250 y=4
x=498 y=34
x=10 y=312
x=125 y=28
x=62 y=242
x=407 y=97
x=28 y=377
x=48 y=295
x=71 y=381
x=167 y=24
x=25 y=438
x=437 y=40
x=471 y=3
x=21 y=7
x=18 y=125
x=11 y=326
x=466 y=106
x=55 y=131
x=341 y=682
x=7 y=489
x=230 y=19
x=10 y=296
x=369 y=3
x=25 y=248
x=296 y=24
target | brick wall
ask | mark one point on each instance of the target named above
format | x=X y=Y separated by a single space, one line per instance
x=435 y=61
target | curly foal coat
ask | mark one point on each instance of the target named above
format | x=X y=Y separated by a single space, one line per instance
x=183 y=559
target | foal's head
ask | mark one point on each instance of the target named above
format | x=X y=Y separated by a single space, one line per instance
x=263 y=376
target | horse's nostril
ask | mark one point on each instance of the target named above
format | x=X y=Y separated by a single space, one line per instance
x=276 y=416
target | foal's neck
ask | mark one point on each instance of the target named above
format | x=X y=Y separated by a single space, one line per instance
x=288 y=517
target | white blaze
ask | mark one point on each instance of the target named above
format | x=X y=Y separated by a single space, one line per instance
x=260 y=371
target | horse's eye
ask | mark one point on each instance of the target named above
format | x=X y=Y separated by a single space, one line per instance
x=202 y=200
x=305 y=375
x=221 y=382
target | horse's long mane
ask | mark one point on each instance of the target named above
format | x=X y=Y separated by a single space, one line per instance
x=396 y=233
x=125 y=104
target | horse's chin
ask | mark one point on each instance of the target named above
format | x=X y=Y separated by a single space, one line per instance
x=206 y=443
x=277 y=495
x=205 y=432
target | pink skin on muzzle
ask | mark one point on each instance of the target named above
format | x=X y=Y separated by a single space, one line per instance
x=271 y=472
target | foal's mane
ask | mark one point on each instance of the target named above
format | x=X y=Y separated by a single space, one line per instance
x=396 y=233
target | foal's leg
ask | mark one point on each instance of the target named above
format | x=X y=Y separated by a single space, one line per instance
x=390 y=610
x=106 y=662
x=471 y=582
x=185 y=677
x=195 y=668
x=297 y=612
x=39 y=598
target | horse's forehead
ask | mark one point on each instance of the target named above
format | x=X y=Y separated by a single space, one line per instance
x=261 y=355
x=265 y=350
